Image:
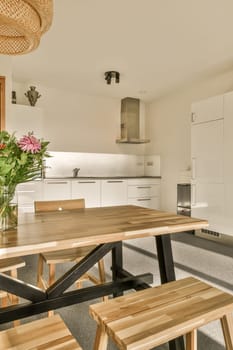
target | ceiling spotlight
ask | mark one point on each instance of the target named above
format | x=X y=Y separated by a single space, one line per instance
x=112 y=75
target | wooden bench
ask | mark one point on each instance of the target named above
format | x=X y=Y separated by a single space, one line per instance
x=149 y=318
x=47 y=333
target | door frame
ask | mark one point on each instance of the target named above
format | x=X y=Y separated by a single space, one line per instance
x=2 y=103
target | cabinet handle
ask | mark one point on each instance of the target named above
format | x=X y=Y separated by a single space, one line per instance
x=114 y=181
x=193 y=117
x=143 y=199
x=86 y=182
x=56 y=183
x=143 y=186
x=21 y=191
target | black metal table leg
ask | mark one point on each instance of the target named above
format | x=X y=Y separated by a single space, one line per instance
x=167 y=274
x=165 y=258
x=117 y=263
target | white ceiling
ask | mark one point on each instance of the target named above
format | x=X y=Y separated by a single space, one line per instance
x=156 y=45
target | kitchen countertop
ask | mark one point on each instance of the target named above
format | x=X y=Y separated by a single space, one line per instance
x=100 y=177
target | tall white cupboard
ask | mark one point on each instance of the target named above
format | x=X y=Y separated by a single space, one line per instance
x=212 y=162
x=228 y=164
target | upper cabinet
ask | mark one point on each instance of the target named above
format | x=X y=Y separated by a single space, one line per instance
x=207 y=110
x=132 y=121
x=207 y=140
x=207 y=148
x=21 y=119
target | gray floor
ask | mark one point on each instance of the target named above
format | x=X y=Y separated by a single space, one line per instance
x=195 y=256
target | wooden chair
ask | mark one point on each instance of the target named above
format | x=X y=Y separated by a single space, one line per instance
x=10 y=266
x=146 y=319
x=48 y=333
x=67 y=255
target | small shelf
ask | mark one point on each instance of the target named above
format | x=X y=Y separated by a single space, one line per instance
x=19 y=105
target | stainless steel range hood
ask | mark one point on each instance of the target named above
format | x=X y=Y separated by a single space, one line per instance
x=130 y=121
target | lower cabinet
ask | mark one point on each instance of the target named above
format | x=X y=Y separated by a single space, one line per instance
x=87 y=189
x=56 y=189
x=153 y=202
x=208 y=203
x=144 y=192
x=27 y=193
x=113 y=192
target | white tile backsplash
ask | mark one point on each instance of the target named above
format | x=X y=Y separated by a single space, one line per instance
x=152 y=165
x=101 y=164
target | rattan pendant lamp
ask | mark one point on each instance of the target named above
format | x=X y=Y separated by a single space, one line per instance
x=22 y=22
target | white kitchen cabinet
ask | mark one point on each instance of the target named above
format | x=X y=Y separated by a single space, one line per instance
x=208 y=109
x=56 y=189
x=208 y=203
x=207 y=160
x=207 y=151
x=87 y=189
x=27 y=193
x=228 y=163
x=113 y=192
x=147 y=202
x=23 y=119
x=144 y=192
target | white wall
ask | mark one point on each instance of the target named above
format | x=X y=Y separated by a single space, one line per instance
x=5 y=71
x=79 y=123
x=168 y=127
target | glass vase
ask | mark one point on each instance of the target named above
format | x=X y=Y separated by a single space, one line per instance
x=8 y=208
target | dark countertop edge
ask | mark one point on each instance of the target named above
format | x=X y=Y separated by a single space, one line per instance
x=101 y=177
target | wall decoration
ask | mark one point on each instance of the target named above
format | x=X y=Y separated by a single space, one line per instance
x=32 y=95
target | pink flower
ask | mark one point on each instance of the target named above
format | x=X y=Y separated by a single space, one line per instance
x=29 y=143
x=2 y=146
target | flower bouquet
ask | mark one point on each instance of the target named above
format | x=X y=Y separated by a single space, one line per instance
x=20 y=161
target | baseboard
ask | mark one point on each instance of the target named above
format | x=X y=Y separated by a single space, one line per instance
x=215 y=236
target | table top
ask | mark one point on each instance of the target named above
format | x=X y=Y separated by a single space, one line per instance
x=59 y=230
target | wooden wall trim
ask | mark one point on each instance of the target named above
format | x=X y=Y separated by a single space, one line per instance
x=2 y=103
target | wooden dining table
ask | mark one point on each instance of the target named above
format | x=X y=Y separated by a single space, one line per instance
x=104 y=227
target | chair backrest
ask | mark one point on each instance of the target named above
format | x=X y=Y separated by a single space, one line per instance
x=68 y=204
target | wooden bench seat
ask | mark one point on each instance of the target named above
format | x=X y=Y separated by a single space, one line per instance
x=149 y=318
x=11 y=264
x=48 y=333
